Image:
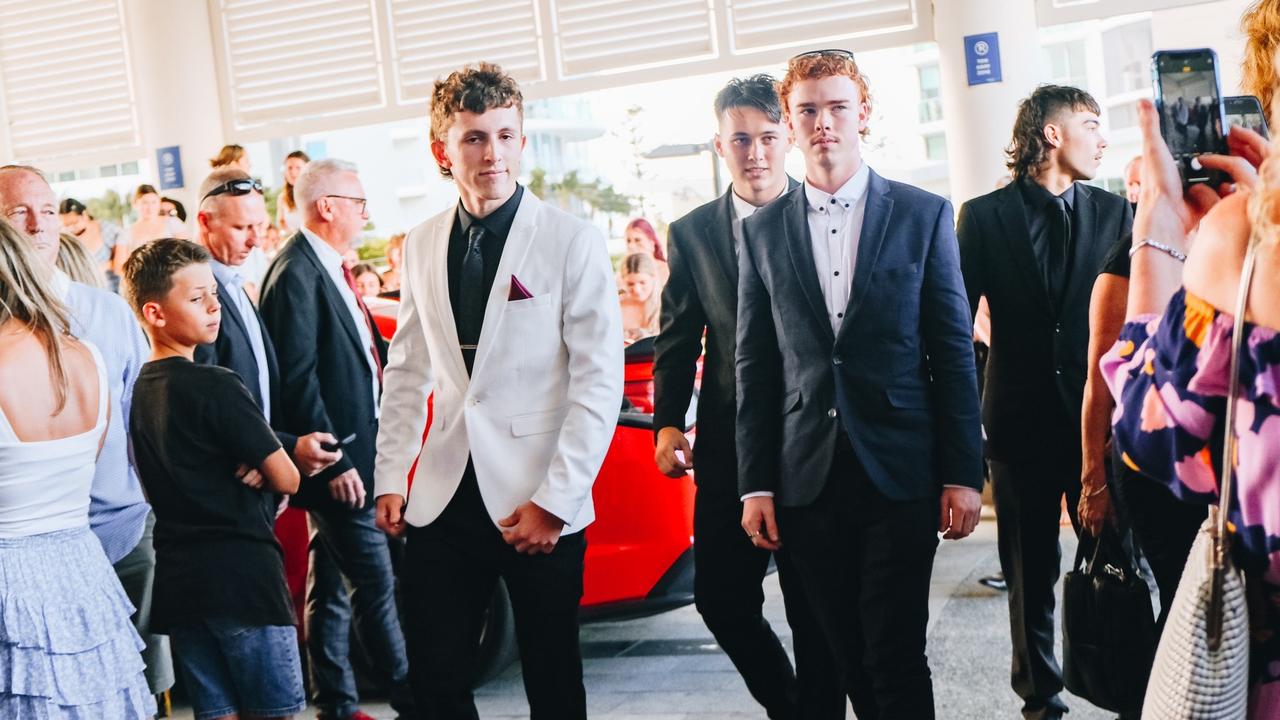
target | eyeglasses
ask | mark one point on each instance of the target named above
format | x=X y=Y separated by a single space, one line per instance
x=363 y=201
x=836 y=52
x=235 y=187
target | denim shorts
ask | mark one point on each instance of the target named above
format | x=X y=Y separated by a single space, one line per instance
x=233 y=668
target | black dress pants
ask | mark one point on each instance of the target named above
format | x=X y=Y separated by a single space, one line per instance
x=728 y=592
x=450 y=570
x=1028 y=498
x=864 y=562
x=1164 y=526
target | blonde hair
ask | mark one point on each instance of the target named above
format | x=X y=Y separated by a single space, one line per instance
x=26 y=297
x=643 y=263
x=1261 y=27
x=227 y=155
x=74 y=260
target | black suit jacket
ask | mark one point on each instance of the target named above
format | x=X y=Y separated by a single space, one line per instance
x=324 y=371
x=899 y=377
x=1036 y=368
x=232 y=350
x=701 y=295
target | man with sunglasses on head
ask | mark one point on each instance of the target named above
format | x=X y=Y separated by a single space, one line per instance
x=330 y=358
x=858 y=437
x=232 y=218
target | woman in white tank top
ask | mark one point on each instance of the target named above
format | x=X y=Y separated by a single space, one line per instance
x=66 y=642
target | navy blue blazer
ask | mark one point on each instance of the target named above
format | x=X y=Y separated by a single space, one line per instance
x=898 y=378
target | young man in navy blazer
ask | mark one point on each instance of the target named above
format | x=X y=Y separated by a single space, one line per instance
x=858 y=437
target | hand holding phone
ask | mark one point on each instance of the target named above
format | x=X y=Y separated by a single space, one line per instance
x=333 y=447
x=1189 y=101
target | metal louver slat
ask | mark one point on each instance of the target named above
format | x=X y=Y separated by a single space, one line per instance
x=1054 y=12
x=430 y=40
x=761 y=24
x=290 y=60
x=64 y=69
x=604 y=36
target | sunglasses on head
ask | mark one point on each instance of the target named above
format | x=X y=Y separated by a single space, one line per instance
x=827 y=52
x=235 y=187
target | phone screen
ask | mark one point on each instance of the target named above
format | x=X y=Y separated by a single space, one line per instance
x=1246 y=111
x=1190 y=108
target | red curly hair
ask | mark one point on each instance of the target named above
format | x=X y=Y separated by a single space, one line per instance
x=816 y=67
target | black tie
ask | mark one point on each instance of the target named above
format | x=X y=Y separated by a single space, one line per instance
x=471 y=294
x=1057 y=264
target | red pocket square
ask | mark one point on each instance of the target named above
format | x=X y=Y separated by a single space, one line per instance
x=518 y=291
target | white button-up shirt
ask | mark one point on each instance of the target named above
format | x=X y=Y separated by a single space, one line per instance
x=835 y=227
x=231 y=278
x=332 y=262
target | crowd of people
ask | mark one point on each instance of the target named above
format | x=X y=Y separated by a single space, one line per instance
x=150 y=439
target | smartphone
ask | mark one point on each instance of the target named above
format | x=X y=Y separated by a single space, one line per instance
x=1189 y=100
x=1246 y=111
x=332 y=447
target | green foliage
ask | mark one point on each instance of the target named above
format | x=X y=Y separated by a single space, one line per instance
x=271 y=196
x=111 y=206
x=571 y=190
x=373 y=249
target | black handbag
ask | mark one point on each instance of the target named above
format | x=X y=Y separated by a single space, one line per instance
x=1108 y=625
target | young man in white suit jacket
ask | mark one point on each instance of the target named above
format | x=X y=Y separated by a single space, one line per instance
x=509 y=316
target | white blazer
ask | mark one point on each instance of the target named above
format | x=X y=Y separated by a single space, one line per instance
x=537 y=413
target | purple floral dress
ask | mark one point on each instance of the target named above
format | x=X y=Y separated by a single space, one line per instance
x=1169 y=376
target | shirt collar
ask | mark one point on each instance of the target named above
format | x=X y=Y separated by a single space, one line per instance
x=1038 y=196
x=61 y=283
x=226 y=275
x=498 y=222
x=328 y=256
x=848 y=194
x=743 y=209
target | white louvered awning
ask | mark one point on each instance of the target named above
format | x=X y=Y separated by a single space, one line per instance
x=290 y=66
x=1055 y=12
x=66 y=83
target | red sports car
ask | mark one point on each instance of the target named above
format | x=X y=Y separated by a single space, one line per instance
x=639 y=556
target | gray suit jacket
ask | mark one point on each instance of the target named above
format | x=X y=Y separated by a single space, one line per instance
x=899 y=377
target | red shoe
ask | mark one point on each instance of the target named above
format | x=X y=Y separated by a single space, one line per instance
x=357 y=715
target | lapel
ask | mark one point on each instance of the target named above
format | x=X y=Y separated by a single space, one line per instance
x=795 y=229
x=230 y=310
x=1084 y=237
x=719 y=237
x=438 y=266
x=875 y=222
x=1012 y=212
x=519 y=240
x=336 y=303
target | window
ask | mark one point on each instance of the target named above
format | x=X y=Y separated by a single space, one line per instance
x=935 y=147
x=1122 y=116
x=930 y=93
x=1126 y=53
x=1064 y=64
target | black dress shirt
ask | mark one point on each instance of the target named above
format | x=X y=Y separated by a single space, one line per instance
x=497 y=225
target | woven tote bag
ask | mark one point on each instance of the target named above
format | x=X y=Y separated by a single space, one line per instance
x=1201 y=670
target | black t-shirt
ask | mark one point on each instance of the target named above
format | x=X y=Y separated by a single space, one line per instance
x=1117 y=261
x=216 y=551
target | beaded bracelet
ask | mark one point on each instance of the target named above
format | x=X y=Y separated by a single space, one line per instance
x=1169 y=250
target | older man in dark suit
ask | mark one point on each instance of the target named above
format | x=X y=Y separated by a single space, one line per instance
x=702 y=296
x=857 y=394
x=331 y=358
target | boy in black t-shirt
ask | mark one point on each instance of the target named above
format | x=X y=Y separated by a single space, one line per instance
x=210 y=465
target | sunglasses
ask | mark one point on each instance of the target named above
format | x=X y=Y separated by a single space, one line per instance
x=235 y=187
x=828 y=52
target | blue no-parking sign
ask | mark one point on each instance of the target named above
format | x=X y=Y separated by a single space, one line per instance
x=169 y=161
x=982 y=58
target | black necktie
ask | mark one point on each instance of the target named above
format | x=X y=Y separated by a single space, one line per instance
x=471 y=295
x=1057 y=264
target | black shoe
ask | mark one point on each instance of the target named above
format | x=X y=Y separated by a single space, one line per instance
x=995 y=582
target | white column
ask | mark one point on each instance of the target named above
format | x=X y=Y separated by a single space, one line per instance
x=979 y=119
x=171 y=46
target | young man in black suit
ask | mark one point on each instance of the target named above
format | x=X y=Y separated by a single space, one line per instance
x=702 y=296
x=858 y=438
x=1033 y=248
x=231 y=215
x=331 y=359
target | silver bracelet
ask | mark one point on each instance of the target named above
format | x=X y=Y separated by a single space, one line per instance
x=1169 y=250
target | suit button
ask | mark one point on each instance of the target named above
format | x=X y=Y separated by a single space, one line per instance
x=1058 y=328
x=1058 y=371
x=831 y=413
x=837 y=360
